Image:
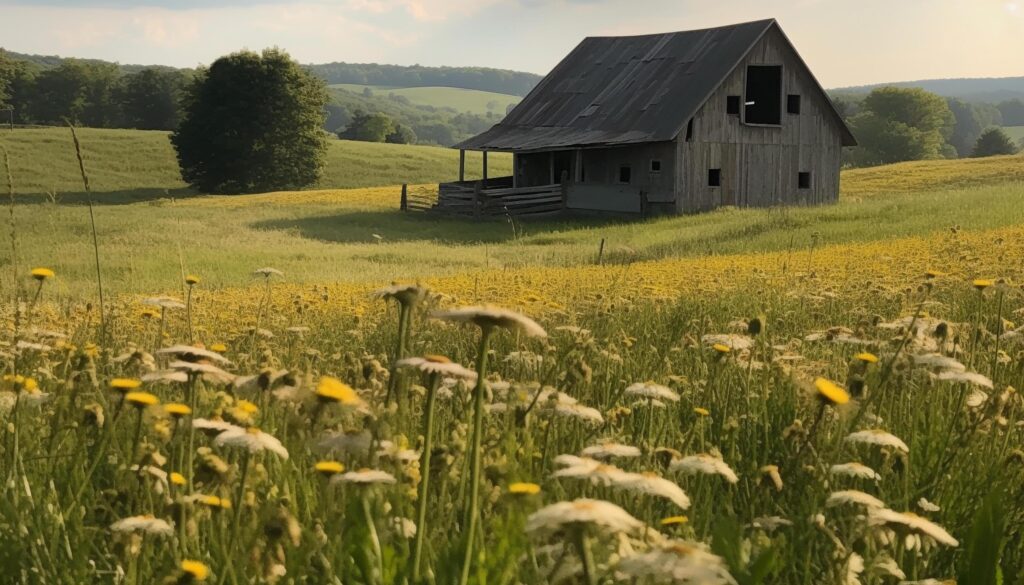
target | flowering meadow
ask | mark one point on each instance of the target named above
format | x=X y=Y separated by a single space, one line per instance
x=842 y=413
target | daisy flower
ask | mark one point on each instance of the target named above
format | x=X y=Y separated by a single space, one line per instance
x=251 y=439
x=652 y=390
x=490 y=317
x=878 y=437
x=582 y=512
x=706 y=464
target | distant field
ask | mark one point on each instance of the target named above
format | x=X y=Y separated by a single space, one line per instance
x=138 y=163
x=1014 y=132
x=463 y=100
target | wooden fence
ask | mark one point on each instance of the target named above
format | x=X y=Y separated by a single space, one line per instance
x=495 y=198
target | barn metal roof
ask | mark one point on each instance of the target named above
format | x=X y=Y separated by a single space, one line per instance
x=625 y=90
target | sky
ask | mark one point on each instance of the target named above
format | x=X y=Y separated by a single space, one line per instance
x=845 y=42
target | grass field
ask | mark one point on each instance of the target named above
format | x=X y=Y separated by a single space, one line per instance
x=805 y=396
x=462 y=100
x=128 y=165
x=1016 y=133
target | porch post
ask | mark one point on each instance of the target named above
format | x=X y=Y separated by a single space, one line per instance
x=485 y=167
x=515 y=170
x=462 y=165
x=578 y=171
x=551 y=167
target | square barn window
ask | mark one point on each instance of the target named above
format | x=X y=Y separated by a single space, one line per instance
x=714 y=177
x=732 y=105
x=655 y=165
x=764 y=95
x=625 y=174
x=804 y=180
x=793 y=104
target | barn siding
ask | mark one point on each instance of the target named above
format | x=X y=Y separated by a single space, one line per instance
x=601 y=190
x=760 y=164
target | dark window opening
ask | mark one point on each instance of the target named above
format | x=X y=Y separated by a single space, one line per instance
x=732 y=105
x=714 y=177
x=793 y=104
x=689 y=130
x=655 y=165
x=625 y=174
x=804 y=180
x=764 y=95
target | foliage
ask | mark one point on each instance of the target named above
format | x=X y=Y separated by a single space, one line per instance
x=993 y=142
x=901 y=124
x=479 y=78
x=401 y=135
x=984 y=546
x=971 y=120
x=252 y=123
x=1012 y=112
x=373 y=127
x=150 y=99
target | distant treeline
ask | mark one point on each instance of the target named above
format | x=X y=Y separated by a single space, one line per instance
x=480 y=78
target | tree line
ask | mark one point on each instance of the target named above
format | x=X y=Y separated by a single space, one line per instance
x=480 y=78
x=894 y=124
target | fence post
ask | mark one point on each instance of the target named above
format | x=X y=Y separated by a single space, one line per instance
x=477 y=201
x=600 y=252
x=404 y=205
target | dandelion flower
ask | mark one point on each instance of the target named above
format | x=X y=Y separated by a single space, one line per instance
x=218 y=347
x=523 y=488
x=489 y=317
x=210 y=501
x=328 y=467
x=333 y=390
x=438 y=365
x=702 y=411
x=177 y=478
x=251 y=439
x=653 y=485
x=878 y=437
x=732 y=341
x=856 y=470
x=652 y=390
x=177 y=410
x=853 y=497
x=145 y=524
x=582 y=512
x=912 y=523
x=610 y=450
x=191 y=280
x=195 y=570
x=267 y=272
x=141 y=399
x=164 y=302
x=831 y=392
x=868 y=358
x=676 y=562
x=721 y=348
x=364 y=477
x=982 y=283
x=406 y=295
x=704 y=463
x=42 y=274
x=124 y=385
x=674 y=521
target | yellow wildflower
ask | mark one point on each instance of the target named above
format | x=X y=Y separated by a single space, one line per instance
x=328 y=467
x=141 y=399
x=523 y=488
x=674 y=520
x=124 y=385
x=191 y=279
x=831 y=392
x=195 y=570
x=866 y=357
x=42 y=274
x=334 y=390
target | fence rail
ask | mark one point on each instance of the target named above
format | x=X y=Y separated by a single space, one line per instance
x=495 y=198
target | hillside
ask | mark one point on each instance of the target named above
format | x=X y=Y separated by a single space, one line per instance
x=454 y=98
x=128 y=165
x=982 y=89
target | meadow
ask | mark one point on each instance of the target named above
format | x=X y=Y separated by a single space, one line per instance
x=796 y=396
x=459 y=99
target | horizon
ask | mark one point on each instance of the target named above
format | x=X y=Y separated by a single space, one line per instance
x=437 y=33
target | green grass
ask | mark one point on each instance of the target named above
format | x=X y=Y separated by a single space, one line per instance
x=459 y=99
x=141 y=165
x=1016 y=133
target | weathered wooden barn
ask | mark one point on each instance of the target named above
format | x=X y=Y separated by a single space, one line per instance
x=664 y=123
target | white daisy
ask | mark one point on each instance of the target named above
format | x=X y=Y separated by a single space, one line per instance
x=145 y=524
x=853 y=497
x=854 y=469
x=912 y=522
x=878 y=437
x=251 y=439
x=676 y=562
x=652 y=390
x=609 y=450
x=706 y=464
x=364 y=477
x=597 y=513
x=487 y=317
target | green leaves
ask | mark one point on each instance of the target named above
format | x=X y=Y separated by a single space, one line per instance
x=727 y=542
x=980 y=563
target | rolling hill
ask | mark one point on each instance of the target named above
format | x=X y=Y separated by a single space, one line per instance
x=981 y=89
x=454 y=98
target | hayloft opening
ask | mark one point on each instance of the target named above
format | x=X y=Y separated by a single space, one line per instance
x=732 y=105
x=763 y=95
x=689 y=130
x=625 y=174
x=655 y=165
x=793 y=104
x=803 y=180
x=714 y=177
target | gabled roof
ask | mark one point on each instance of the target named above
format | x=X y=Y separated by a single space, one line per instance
x=626 y=90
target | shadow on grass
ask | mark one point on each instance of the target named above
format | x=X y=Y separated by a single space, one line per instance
x=124 y=197
x=396 y=226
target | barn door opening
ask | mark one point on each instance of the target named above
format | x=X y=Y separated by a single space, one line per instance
x=763 y=95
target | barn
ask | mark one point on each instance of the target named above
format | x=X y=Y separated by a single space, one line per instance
x=666 y=123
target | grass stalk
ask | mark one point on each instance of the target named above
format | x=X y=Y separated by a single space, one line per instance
x=476 y=457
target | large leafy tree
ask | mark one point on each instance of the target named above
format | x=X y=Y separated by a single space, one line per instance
x=898 y=124
x=252 y=122
x=993 y=142
x=149 y=99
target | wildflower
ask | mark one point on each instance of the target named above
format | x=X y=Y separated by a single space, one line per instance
x=333 y=390
x=523 y=489
x=267 y=272
x=191 y=280
x=177 y=410
x=42 y=274
x=927 y=506
x=702 y=411
x=830 y=392
x=577 y=411
x=556 y=517
x=145 y=524
x=406 y=295
x=609 y=450
x=912 y=523
x=676 y=562
x=19 y=383
x=195 y=570
x=653 y=391
x=868 y=358
x=124 y=385
x=489 y=317
x=772 y=472
x=210 y=501
x=141 y=399
x=854 y=567
x=364 y=477
x=937 y=361
x=653 y=485
x=770 y=523
x=405 y=527
x=982 y=283
x=188 y=353
x=213 y=426
x=932 y=274
x=965 y=377
x=704 y=463
x=251 y=439
x=674 y=521
x=165 y=377
x=349 y=442
x=208 y=372
x=721 y=348
x=439 y=365
x=856 y=470
x=328 y=467
x=878 y=437
x=218 y=347
x=177 y=478
x=732 y=341
x=853 y=497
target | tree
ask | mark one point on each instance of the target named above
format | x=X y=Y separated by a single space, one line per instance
x=993 y=142
x=150 y=99
x=373 y=127
x=898 y=124
x=1012 y=111
x=401 y=135
x=252 y=122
